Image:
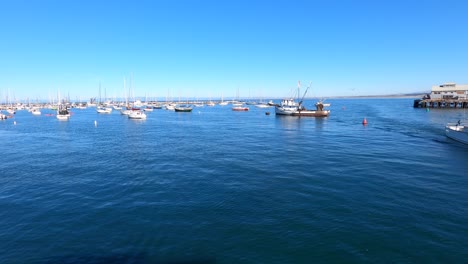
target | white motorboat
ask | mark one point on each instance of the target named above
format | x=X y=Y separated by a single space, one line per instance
x=137 y=115
x=457 y=131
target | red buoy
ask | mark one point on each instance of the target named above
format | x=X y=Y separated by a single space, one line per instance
x=364 y=122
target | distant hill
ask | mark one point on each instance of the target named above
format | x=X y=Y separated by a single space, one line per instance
x=405 y=95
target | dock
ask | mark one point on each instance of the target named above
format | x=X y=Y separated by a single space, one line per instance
x=441 y=103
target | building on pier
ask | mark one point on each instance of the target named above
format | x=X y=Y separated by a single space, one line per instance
x=449 y=91
x=447 y=95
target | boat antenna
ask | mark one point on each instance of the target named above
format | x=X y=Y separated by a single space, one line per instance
x=302 y=99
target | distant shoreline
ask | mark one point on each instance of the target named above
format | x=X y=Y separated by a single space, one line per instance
x=378 y=96
x=392 y=96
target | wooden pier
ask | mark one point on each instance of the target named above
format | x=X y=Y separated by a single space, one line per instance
x=441 y=103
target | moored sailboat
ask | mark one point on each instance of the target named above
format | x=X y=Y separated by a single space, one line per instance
x=137 y=114
x=183 y=108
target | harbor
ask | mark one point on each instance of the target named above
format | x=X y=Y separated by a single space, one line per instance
x=220 y=186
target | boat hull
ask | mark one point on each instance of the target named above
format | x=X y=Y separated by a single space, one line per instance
x=310 y=113
x=63 y=117
x=183 y=109
x=458 y=133
x=137 y=115
x=240 y=109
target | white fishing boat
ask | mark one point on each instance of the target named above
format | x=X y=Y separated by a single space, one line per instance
x=137 y=114
x=290 y=107
x=457 y=131
x=3 y=116
x=62 y=112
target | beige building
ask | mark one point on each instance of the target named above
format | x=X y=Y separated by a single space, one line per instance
x=450 y=91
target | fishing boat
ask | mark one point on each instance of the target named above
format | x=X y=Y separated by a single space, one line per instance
x=137 y=115
x=290 y=107
x=3 y=116
x=62 y=112
x=457 y=131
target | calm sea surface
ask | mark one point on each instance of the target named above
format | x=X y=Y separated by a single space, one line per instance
x=217 y=186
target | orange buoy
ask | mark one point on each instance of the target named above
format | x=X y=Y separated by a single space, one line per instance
x=364 y=122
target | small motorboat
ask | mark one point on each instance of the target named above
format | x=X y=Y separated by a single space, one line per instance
x=457 y=131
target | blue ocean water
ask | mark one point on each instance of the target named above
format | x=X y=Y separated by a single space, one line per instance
x=217 y=186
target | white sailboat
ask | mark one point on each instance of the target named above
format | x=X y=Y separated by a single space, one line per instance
x=137 y=114
x=35 y=111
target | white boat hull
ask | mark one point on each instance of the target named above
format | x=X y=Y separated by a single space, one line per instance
x=106 y=110
x=289 y=107
x=457 y=132
x=137 y=115
x=63 y=117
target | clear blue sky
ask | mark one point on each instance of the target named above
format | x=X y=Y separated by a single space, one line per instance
x=209 y=48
